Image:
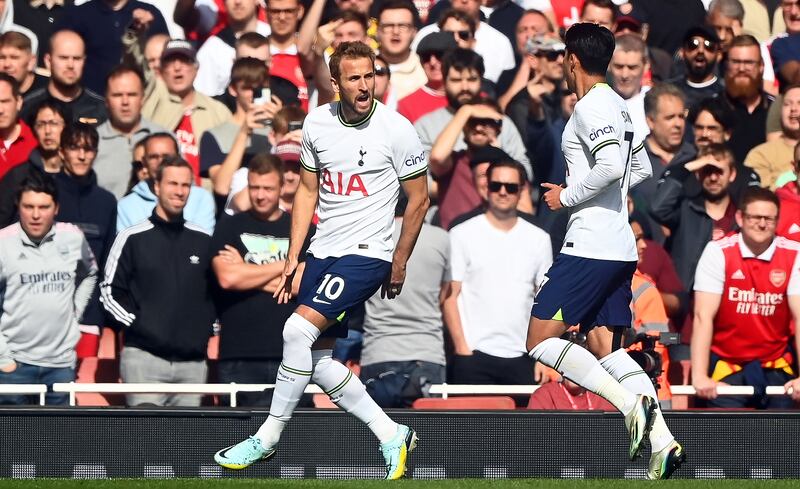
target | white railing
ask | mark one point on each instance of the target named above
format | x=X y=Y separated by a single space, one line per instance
x=25 y=389
x=231 y=390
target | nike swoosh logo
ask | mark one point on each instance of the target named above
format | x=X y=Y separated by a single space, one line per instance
x=319 y=301
x=224 y=452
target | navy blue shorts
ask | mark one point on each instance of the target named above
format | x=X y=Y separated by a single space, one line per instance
x=586 y=291
x=335 y=286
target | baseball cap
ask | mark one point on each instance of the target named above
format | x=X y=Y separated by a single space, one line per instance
x=705 y=161
x=701 y=31
x=437 y=42
x=288 y=151
x=488 y=154
x=628 y=22
x=178 y=47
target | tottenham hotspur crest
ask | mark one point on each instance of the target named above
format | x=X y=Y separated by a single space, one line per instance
x=361 y=153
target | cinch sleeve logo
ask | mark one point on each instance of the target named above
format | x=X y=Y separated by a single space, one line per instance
x=598 y=133
x=415 y=159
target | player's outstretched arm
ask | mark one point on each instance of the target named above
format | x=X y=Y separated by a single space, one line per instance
x=416 y=190
x=305 y=202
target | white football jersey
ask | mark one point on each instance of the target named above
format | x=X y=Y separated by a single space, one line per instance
x=360 y=167
x=598 y=224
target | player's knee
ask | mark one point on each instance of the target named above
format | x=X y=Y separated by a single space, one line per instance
x=299 y=331
x=538 y=350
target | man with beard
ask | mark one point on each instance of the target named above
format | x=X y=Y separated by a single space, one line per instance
x=696 y=219
x=744 y=72
x=430 y=96
x=463 y=70
x=356 y=156
x=773 y=158
x=65 y=59
x=700 y=52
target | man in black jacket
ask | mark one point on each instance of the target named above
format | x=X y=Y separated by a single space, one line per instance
x=157 y=287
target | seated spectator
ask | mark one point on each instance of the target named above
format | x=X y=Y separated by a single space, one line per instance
x=565 y=395
x=397 y=22
x=463 y=70
x=487 y=323
x=157 y=289
x=251 y=249
x=215 y=57
x=124 y=128
x=175 y=104
x=39 y=318
x=284 y=19
x=430 y=96
x=774 y=158
x=19 y=140
x=65 y=59
x=789 y=196
x=229 y=146
x=139 y=204
x=700 y=53
x=746 y=300
x=726 y=17
x=99 y=23
x=18 y=59
x=627 y=69
x=93 y=210
x=403 y=351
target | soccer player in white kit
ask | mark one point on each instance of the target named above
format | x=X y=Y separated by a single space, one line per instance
x=589 y=283
x=356 y=154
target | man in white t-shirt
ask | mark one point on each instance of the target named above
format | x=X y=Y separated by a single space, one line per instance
x=589 y=283
x=356 y=154
x=497 y=260
x=491 y=44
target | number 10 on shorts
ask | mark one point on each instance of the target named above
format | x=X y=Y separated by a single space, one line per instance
x=331 y=287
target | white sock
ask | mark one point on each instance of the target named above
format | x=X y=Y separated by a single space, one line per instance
x=630 y=374
x=347 y=392
x=580 y=366
x=293 y=377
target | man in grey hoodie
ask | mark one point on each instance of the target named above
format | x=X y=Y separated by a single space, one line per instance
x=47 y=274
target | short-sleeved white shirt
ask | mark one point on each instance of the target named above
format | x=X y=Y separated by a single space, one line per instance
x=499 y=271
x=598 y=228
x=360 y=167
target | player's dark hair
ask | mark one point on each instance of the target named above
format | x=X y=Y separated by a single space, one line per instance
x=592 y=44
x=523 y=176
x=77 y=133
x=718 y=110
x=173 y=161
x=758 y=194
x=264 y=163
x=349 y=50
x=39 y=182
x=462 y=59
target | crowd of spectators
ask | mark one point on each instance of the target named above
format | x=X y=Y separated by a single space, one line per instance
x=151 y=153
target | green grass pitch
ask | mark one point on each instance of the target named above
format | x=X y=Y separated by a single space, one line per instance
x=404 y=484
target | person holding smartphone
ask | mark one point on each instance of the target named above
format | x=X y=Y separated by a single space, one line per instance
x=230 y=145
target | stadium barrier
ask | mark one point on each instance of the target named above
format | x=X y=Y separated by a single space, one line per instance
x=90 y=443
x=25 y=389
x=444 y=390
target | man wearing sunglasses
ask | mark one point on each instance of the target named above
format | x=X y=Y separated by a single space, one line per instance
x=589 y=283
x=700 y=52
x=430 y=96
x=487 y=323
